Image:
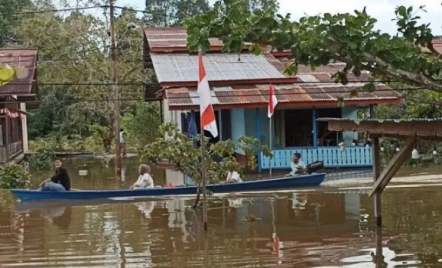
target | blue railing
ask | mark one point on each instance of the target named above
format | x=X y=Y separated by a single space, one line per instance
x=333 y=157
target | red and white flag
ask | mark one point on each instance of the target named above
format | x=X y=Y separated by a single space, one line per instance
x=207 y=117
x=272 y=101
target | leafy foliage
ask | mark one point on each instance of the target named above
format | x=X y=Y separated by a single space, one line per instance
x=40 y=161
x=408 y=57
x=73 y=143
x=8 y=19
x=179 y=149
x=74 y=49
x=142 y=126
x=14 y=176
x=167 y=13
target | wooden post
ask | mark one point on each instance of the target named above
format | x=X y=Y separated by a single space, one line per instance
x=377 y=204
x=270 y=146
x=393 y=166
x=116 y=93
x=376 y=161
x=379 y=255
x=203 y=178
x=7 y=137
x=315 y=129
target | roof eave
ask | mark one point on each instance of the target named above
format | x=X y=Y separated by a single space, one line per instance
x=293 y=104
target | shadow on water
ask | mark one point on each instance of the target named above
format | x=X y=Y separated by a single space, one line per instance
x=299 y=229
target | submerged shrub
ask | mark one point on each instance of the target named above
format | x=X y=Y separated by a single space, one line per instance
x=14 y=176
x=40 y=161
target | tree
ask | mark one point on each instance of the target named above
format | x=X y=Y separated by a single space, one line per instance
x=407 y=58
x=261 y=4
x=167 y=13
x=75 y=50
x=177 y=148
x=142 y=126
x=9 y=19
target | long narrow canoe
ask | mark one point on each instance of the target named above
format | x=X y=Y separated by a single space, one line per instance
x=271 y=184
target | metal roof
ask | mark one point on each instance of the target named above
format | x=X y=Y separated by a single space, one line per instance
x=286 y=94
x=219 y=67
x=437 y=44
x=173 y=39
x=26 y=61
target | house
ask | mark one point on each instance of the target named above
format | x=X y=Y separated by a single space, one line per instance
x=240 y=85
x=13 y=98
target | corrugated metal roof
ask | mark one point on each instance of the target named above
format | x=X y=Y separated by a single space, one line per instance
x=172 y=39
x=219 y=67
x=258 y=94
x=26 y=61
x=327 y=119
x=319 y=74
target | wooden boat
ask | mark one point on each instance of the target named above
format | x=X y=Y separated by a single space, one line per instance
x=314 y=179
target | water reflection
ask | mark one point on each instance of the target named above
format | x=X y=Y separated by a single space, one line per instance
x=303 y=229
x=59 y=216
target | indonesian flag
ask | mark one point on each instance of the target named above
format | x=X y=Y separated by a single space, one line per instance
x=272 y=101
x=207 y=117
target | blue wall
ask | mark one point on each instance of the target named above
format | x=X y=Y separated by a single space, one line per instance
x=251 y=122
x=238 y=125
x=246 y=122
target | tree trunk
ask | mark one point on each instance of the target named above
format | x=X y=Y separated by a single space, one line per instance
x=198 y=197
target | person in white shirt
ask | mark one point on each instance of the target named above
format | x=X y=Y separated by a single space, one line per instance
x=298 y=167
x=232 y=177
x=144 y=180
x=122 y=142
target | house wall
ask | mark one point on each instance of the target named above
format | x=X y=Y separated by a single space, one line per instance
x=24 y=128
x=349 y=136
x=171 y=116
x=238 y=125
x=255 y=123
x=252 y=123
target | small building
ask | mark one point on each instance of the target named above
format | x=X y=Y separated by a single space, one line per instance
x=240 y=89
x=13 y=98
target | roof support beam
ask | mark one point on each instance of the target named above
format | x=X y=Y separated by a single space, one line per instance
x=424 y=129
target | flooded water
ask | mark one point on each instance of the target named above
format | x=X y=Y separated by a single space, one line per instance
x=318 y=228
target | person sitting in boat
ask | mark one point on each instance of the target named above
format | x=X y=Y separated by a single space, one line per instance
x=232 y=177
x=60 y=182
x=144 y=180
x=298 y=166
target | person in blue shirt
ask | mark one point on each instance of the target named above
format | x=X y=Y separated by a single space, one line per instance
x=298 y=167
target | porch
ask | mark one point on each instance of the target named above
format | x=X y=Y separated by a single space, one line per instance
x=297 y=131
x=332 y=156
x=11 y=134
x=294 y=131
x=11 y=151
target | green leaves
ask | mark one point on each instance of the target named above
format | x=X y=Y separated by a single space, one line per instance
x=179 y=149
x=14 y=176
x=343 y=37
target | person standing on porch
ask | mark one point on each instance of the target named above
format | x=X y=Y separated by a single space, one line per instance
x=122 y=143
x=297 y=165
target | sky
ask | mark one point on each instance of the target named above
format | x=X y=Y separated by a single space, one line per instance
x=383 y=10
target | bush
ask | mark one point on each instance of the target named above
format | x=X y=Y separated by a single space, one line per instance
x=14 y=176
x=41 y=161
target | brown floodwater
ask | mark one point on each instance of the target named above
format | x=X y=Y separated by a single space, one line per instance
x=317 y=228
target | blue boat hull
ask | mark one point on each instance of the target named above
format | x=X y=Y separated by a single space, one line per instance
x=248 y=186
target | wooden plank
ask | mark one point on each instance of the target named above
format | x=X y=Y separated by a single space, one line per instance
x=429 y=130
x=393 y=166
x=376 y=159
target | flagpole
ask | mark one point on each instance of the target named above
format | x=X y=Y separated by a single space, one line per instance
x=203 y=179
x=270 y=137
